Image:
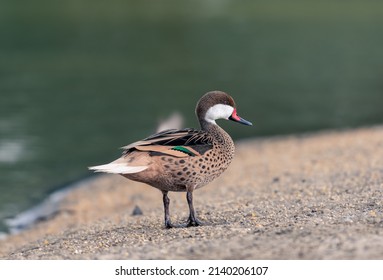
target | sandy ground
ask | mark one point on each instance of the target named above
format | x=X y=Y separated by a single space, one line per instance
x=316 y=196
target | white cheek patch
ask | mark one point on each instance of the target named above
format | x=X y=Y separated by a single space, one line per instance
x=218 y=111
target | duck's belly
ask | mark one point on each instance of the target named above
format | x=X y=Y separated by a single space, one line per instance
x=169 y=173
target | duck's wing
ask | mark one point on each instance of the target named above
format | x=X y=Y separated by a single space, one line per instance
x=174 y=142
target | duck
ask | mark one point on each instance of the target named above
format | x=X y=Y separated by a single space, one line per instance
x=182 y=160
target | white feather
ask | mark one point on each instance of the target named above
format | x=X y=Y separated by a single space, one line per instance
x=118 y=168
x=218 y=111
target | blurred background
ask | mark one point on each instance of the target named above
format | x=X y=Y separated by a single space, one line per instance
x=80 y=78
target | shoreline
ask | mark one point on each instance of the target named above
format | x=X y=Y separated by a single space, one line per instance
x=44 y=210
x=307 y=196
x=48 y=207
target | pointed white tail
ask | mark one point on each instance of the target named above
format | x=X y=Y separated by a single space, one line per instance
x=117 y=168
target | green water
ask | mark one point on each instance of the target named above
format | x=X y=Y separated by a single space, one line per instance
x=80 y=78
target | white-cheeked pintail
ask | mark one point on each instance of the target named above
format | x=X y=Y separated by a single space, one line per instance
x=182 y=160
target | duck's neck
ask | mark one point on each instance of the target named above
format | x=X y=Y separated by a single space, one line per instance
x=216 y=131
x=207 y=126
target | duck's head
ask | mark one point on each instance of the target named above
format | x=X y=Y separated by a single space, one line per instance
x=218 y=105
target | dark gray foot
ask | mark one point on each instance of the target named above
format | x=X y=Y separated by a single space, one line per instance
x=189 y=223
x=194 y=222
x=171 y=225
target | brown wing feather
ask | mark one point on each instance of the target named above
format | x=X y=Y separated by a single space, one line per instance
x=164 y=142
x=167 y=150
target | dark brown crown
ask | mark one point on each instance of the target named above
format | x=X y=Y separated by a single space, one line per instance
x=210 y=99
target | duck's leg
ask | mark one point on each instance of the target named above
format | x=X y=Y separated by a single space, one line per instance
x=192 y=221
x=166 y=200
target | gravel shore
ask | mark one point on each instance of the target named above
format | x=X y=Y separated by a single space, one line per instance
x=314 y=196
